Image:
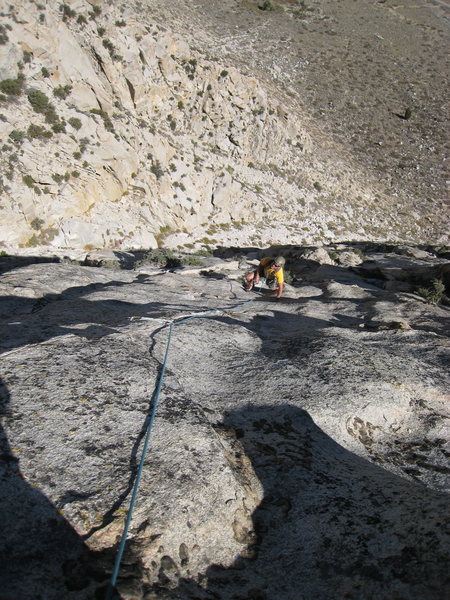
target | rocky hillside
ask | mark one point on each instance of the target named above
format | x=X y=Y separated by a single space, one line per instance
x=300 y=447
x=224 y=122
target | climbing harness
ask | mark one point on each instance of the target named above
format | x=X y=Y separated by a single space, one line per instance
x=179 y=321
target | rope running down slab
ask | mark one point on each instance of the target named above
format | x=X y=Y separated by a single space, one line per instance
x=152 y=414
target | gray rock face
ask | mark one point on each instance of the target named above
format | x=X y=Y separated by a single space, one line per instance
x=299 y=448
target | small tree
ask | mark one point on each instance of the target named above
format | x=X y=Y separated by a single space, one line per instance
x=38 y=101
x=74 y=122
x=17 y=136
x=156 y=169
x=11 y=87
x=28 y=180
x=62 y=91
x=266 y=5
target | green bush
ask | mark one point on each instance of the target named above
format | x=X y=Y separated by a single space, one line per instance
x=45 y=72
x=62 y=91
x=51 y=116
x=74 y=122
x=59 y=127
x=37 y=131
x=435 y=294
x=41 y=104
x=11 y=87
x=16 y=135
x=37 y=223
x=106 y=120
x=33 y=241
x=190 y=67
x=84 y=142
x=96 y=11
x=193 y=261
x=163 y=257
x=38 y=100
x=108 y=45
x=207 y=251
x=156 y=169
x=266 y=5
x=67 y=12
x=3 y=35
x=28 y=180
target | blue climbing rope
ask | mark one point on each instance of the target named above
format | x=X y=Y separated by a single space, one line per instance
x=152 y=414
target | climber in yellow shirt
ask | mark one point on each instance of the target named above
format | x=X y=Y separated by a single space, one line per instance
x=272 y=270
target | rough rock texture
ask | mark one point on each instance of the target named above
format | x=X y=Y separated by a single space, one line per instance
x=178 y=123
x=300 y=447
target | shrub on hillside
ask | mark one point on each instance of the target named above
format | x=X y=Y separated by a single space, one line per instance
x=95 y=12
x=59 y=127
x=41 y=104
x=28 y=180
x=156 y=169
x=163 y=257
x=74 y=122
x=36 y=131
x=36 y=223
x=67 y=12
x=62 y=91
x=106 y=120
x=17 y=136
x=11 y=87
x=265 y=5
x=38 y=100
x=3 y=35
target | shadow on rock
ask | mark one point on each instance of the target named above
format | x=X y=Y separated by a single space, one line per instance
x=331 y=525
x=10 y=262
x=41 y=555
x=285 y=334
x=30 y=320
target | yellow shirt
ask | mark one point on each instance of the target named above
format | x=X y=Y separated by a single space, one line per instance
x=271 y=272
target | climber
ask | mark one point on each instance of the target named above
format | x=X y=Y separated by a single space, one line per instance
x=272 y=270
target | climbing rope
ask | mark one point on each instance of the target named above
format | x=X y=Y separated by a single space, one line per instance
x=152 y=414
